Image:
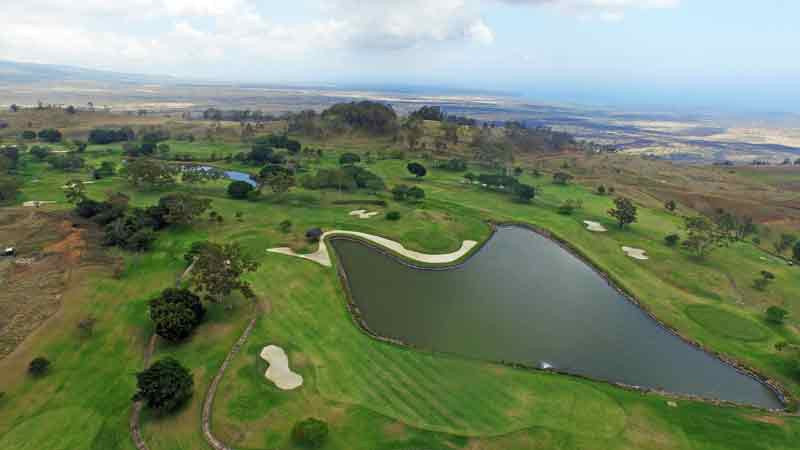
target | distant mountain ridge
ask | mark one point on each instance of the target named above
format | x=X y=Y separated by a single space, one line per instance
x=25 y=72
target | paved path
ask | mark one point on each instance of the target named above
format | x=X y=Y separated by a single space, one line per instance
x=208 y=403
x=136 y=432
x=322 y=257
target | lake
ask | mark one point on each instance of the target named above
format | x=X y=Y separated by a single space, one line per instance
x=524 y=299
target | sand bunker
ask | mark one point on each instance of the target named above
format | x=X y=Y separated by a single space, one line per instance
x=322 y=257
x=594 y=226
x=363 y=213
x=278 y=371
x=635 y=253
x=38 y=203
x=66 y=186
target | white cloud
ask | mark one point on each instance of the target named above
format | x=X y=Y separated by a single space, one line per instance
x=172 y=35
x=611 y=10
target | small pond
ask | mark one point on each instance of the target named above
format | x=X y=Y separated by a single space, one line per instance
x=229 y=174
x=522 y=298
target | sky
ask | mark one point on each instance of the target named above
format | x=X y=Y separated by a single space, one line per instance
x=733 y=54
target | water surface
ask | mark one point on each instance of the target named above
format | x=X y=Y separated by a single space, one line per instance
x=525 y=299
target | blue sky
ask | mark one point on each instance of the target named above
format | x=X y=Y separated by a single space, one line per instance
x=731 y=54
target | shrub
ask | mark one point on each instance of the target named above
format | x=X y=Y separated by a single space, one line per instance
x=561 y=178
x=671 y=240
x=310 y=433
x=239 y=189
x=776 y=314
x=392 y=215
x=601 y=190
x=400 y=192
x=415 y=193
x=569 y=206
x=28 y=135
x=349 y=158
x=39 y=366
x=762 y=282
x=165 y=385
x=314 y=234
x=285 y=226
x=417 y=169
x=523 y=193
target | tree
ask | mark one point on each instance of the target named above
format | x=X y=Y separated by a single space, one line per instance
x=763 y=281
x=176 y=313
x=671 y=240
x=50 y=135
x=569 y=206
x=561 y=178
x=415 y=193
x=86 y=325
x=624 y=211
x=703 y=236
x=9 y=188
x=278 y=178
x=601 y=190
x=218 y=269
x=796 y=251
x=102 y=136
x=39 y=366
x=149 y=174
x=524 y=193
x=784 y=242
x=239 y=189
x=776 y=315
x=281 y=182
x=393 y=215
x=400 y=192
x=670 y=205
x=349 y=158
x=75 y=191
x=181 y=208
x=164 y=386
x=417 y=169
x=69 y=162
x=28 y=135
x=79 y=146
x=106 y=169
x=310 y=433
x=40 y=152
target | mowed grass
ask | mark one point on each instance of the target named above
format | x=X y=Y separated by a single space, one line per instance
x=727 y=324
x=376 y=395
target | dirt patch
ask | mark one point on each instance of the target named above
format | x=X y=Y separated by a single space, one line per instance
x=394 y=429
x=49 y=250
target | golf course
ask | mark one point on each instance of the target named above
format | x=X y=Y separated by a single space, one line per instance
x=472 y=316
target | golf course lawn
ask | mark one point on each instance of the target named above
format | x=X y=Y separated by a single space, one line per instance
x=376 y=395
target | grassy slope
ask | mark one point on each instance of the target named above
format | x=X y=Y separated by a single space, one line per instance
x=376 y=395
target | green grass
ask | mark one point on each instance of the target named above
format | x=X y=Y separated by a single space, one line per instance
x=727 y=324
x=375 y=395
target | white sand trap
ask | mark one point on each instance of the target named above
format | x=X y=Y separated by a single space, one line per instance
x=66 y=186
x=322 y=257
x=635 y=253
x=38 y=203
x=60 y=151
x=278 y=371
x=363 y=213
x=594 y=226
